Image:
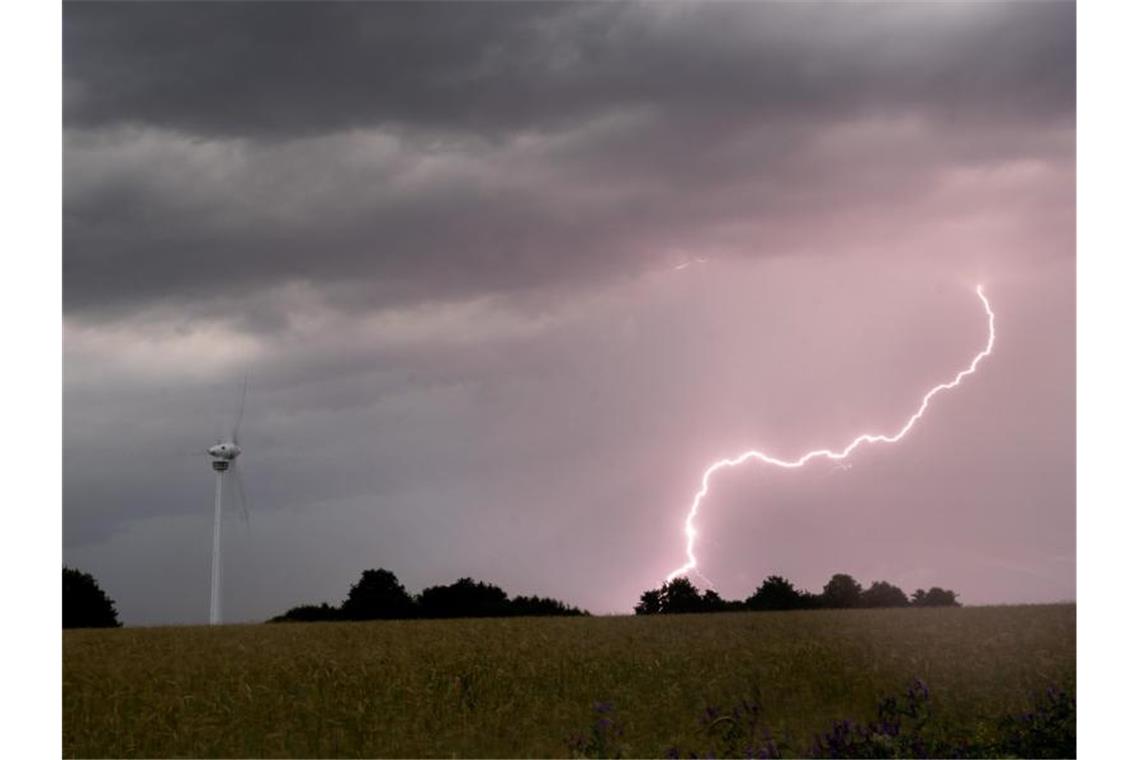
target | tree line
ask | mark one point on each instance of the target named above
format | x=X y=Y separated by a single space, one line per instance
x=379 y=595
x=778 y=593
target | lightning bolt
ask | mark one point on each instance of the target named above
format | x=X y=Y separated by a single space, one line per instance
x=837 y=456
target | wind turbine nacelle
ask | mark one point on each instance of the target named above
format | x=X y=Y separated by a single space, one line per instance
x=226 y=451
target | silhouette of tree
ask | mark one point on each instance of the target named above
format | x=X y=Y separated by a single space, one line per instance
x=309 y=613
x=535 y=606
x=776 y=593
x=935 y=597
x=681 y=596
x=842 y=592
x=883 y=594
x=711 y=601
x=464 y=598
x=85 y=605
x=812 y=601
x=650 y=603
x=378 y=595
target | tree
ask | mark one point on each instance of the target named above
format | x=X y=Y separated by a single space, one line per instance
x=464 y=598
x=812 y=601
x=776 y=593
x=681 y=596
x=535 y=606
x=650 y=603
x=883 y=594
x=711 y=601
x=85 y=605
x=309 y=613
x=378 y=595
x=842 y=591
x=935 y=597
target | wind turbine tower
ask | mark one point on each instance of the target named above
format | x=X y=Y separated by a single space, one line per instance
x=223 y=460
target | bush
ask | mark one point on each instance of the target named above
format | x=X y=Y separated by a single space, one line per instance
x=85 y=605
x=1049 y=730
x=935 y=597
x=896 y=733
x=603 y=740
x=309 y=613
x=535 y=606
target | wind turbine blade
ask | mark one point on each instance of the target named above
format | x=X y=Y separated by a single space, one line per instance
x=220 y=415
x=239 y=481
x=241 y=410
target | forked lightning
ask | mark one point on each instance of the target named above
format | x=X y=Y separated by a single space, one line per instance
x=690 y=520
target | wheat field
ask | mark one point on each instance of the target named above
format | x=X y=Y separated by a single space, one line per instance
x=526 y=687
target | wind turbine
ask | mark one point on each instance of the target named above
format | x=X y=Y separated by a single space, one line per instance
x=223 y=460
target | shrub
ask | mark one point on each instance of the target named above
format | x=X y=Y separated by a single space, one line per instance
x=309 y=613
x=85 y=605
x=603 y=738
x=1048 y=730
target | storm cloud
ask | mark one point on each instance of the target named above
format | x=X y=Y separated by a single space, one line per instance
x=505 y=276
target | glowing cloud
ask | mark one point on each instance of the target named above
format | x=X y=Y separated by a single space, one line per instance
x=747 y=456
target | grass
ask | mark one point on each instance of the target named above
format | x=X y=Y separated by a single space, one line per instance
x=523 y=687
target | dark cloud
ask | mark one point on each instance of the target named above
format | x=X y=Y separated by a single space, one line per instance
x=435 y=151
x=251 y=69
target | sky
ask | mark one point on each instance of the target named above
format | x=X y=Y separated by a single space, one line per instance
x=506 y=278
